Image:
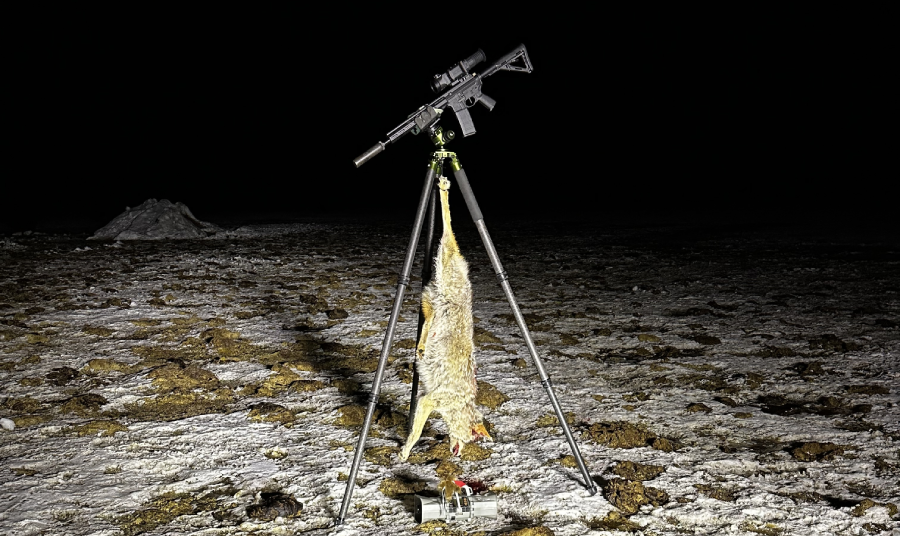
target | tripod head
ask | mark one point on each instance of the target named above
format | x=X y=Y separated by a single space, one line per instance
x=427 y=121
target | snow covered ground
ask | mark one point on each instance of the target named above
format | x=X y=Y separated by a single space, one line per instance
x=741 y=381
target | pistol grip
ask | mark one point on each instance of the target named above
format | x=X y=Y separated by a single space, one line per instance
x=487 y=102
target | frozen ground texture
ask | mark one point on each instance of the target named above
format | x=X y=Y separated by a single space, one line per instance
x=730 y=382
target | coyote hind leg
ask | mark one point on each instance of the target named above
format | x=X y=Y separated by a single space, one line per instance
x=423 y=411
x=428 y=314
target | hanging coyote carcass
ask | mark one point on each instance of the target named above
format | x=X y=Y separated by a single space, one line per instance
x=444 y=357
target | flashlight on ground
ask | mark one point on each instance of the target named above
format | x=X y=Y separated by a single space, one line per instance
x=463 y=505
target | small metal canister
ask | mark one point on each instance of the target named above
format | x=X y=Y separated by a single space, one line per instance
x=463 y=505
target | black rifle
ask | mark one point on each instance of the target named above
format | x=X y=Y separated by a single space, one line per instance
x=464 y=92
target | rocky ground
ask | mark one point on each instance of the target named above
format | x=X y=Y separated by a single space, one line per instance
x=740 y=380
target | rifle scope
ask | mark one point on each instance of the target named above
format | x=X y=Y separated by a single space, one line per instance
x=441 y=81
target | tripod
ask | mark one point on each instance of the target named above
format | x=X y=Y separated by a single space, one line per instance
x=427 y=203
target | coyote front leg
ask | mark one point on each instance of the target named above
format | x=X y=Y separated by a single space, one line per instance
x=423 y=410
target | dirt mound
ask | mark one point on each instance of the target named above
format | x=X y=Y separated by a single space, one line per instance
x=155 y=220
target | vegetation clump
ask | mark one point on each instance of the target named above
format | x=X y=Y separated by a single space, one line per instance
x=626 y=435
x=482 y=336
x=351 y=415
x=550 y=419
x=279 y=381
x=305 y=386
x=165 y=508
x=86 y=405
x=814 y=451
x=268 y=412
x=566 y=461
x=767 y=529
x=437 y=450
x=174 y=406
x=868 y=389
x=355 y=414
x=380 y=455
x=531 y=531
x=180 y=378
x=860 y=509
x=24 y=404
x=716 y=492
x=229 y=346
x=103 y=428
x=629 y=495
x=474 y=452
x=637 y=471
x=396 y=487
x=349 y=358
x=614 y=521
x=698 y=407
x=24 y=421
x=108 y=365
x=489 y=396
x=98 y=331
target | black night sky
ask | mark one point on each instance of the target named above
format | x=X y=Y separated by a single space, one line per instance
x=769 y=117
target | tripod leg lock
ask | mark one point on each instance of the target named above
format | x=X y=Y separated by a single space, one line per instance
x=502 y=276
x=548 y=385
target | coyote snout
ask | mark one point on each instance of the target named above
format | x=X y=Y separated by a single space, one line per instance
x=444 y=353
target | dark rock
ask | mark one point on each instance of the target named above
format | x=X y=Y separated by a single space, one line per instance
x=274 y=505
x=62 y=375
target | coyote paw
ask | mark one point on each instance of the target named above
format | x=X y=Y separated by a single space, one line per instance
x=444 y=183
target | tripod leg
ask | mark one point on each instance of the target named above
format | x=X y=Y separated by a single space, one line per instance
x=388 y=338
x=427 y=265
x=466 y=190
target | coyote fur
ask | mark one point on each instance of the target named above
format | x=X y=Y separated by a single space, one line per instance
x=444 y=353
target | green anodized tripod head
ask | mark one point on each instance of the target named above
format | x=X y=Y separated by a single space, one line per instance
x=439 y=137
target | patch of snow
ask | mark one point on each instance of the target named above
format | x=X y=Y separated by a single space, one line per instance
x=6 y=243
